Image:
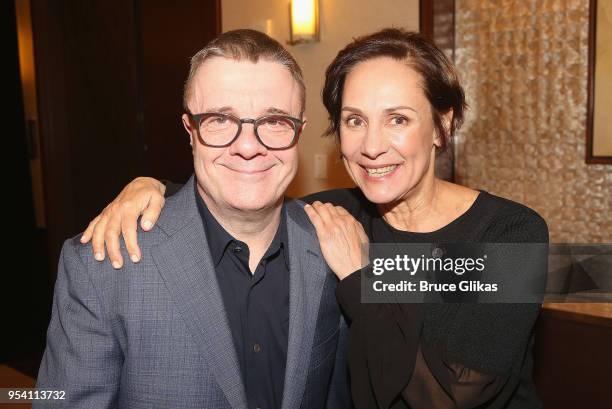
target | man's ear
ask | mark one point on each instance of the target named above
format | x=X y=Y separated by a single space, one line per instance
x=187 y=124
x=304 y=122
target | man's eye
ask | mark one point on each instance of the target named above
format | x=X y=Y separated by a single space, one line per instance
x=220 y=120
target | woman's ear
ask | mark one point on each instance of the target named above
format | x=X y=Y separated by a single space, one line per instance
x=447 y=120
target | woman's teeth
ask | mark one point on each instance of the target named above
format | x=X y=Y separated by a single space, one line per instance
x=380 y=172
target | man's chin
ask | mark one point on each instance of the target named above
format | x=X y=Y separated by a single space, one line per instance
x=252 y=203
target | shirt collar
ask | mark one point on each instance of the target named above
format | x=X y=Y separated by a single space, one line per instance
x=219 y=239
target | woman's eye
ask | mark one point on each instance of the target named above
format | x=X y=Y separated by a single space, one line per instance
x=354 y=121
x=399 y=120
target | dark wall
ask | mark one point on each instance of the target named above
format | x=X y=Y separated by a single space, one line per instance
x=167 y=44
x=25 y=301
x=109 y=80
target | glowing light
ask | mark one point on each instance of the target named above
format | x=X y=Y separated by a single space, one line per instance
x=304 y=21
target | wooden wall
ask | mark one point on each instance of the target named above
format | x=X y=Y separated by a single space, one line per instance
x=109 y=79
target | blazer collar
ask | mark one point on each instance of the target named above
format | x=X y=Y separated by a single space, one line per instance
x=186 y=265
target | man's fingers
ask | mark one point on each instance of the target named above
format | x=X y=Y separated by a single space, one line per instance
x=151 y=213
x=88 y=233
x=129 y=226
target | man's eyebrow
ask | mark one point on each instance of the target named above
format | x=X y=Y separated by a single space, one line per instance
x=274 y=110
x=221 y=110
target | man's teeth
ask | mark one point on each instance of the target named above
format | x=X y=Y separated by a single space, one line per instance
x=379 y=172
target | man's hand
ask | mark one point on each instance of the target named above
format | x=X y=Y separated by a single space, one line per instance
x=341 y=237
x=142 y=196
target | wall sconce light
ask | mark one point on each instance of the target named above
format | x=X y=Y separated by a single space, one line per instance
x=304 y=21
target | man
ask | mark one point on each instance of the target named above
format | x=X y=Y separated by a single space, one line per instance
x=232 y=305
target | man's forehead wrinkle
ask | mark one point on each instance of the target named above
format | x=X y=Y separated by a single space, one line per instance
x=259 y=92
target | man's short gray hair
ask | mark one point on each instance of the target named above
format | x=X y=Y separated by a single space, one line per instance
x=245 y=44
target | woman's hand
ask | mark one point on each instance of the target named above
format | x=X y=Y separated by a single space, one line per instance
x=142 y=196
x=342 y=238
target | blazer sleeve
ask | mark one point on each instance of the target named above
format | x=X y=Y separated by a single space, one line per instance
x=339 y=396
x=82 y=357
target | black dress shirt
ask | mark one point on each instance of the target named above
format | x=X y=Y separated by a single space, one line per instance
x=257 y=307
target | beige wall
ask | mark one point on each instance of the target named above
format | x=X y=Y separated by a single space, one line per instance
x=602 y=133
x=524 y=67
x=341 y=20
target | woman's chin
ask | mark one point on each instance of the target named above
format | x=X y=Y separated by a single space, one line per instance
x=379 y=194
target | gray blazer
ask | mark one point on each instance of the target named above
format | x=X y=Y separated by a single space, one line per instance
x=155 y=334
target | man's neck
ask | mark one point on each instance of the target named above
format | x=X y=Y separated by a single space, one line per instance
x=256 y=228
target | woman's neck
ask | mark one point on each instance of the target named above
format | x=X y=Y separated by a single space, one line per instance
x=418 y=210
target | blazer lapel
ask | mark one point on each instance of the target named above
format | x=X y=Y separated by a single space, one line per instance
x=185 y=264
x=307 y=276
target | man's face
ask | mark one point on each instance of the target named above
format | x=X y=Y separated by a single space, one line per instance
x=245 y=175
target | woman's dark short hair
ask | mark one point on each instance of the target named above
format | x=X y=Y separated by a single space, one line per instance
x=440 y=81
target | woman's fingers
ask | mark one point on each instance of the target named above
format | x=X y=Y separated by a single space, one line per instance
x=339 y=236
x=141 y=196
x=362 y=234
x=315 y=219
x=152 y=212
x=88 y=233
x=129 y=227
x=97 y=236
x=112 y=241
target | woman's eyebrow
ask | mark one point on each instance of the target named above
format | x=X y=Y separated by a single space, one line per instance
x=351 y=109
x=399 y=108
x=386 y=110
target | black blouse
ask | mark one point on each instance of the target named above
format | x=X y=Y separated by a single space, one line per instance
x=440 y=356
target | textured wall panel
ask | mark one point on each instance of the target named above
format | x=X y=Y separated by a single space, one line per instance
x=524 y=67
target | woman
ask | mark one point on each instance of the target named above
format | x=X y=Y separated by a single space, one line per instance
x=394 y=102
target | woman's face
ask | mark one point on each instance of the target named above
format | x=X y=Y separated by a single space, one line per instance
x=387 y=134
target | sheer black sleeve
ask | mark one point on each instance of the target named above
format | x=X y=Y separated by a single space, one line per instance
x=390 y=361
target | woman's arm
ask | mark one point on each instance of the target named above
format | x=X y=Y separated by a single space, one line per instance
x=142 y=196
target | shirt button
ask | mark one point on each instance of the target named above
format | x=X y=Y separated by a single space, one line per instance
x=257 y=348
x=237 y=249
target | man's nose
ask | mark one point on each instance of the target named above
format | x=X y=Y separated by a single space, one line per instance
x=246 y=145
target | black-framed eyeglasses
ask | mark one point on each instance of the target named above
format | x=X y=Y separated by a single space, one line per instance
x=219 y=130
